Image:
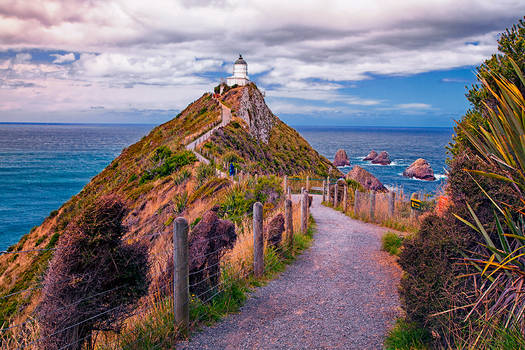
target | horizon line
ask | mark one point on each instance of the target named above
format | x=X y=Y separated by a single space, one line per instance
x=291 y=125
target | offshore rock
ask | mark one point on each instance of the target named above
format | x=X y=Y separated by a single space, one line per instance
x=371 y=155
x=420 y=169
x=367 y=180
x=382 y=158
x=341 y=158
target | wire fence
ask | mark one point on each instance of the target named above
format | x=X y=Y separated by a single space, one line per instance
x=389 y=207
x=184 y=297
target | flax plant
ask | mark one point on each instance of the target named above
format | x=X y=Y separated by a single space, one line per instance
x=501 y=296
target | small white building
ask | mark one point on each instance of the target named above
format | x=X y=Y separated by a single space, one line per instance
x=240 y=73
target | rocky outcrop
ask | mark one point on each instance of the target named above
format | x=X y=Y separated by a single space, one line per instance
x=382 y=158
x=341 y=158
x=256 y=113
x=420 y=169
x=209 y=239
x=367 y=180
x=371 y=155
x=274 y=230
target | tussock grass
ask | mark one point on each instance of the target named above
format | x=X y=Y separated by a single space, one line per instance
x=407 y=336
x=391 y=243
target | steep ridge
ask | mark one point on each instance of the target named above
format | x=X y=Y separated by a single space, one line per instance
x=157 y=179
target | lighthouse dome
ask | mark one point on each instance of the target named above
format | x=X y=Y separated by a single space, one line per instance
x=240 y=60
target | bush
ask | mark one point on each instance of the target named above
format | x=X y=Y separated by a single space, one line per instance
x=431 y=258
x=165 y=162
x=90 y=261
x=180 y=202
x=204 y=172
x=181 y=177
x=391 y=243
x=239 y=200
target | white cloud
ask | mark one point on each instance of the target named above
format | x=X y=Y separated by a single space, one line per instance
x=68 y=57
x=414 y=105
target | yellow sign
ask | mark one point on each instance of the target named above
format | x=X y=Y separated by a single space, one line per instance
x=416 y=204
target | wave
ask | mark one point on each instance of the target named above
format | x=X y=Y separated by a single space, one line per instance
x=394 y=163
x=437 y=176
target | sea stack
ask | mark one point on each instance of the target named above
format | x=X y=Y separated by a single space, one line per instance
x=420 y=169
x=367 y=180
x=341 y=158
x=371 y=155
x=382 y=158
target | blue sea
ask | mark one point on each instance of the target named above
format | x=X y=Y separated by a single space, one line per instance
x=43 y=165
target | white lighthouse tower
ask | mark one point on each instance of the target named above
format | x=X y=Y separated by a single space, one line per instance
x=240 y=73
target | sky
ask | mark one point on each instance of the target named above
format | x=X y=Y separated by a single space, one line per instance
x=329 y=62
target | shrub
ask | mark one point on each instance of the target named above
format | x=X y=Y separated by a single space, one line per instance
x=391 y=243
x=132 y=178
x=164 y=162
x=181 y=177
x=430 y=258
x=204 y=172
x=90 y=261
x=180 y=202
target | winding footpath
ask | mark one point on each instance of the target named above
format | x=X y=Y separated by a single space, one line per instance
x=339 y=294
x=226 y=117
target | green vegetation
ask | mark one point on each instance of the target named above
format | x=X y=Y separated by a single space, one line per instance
x=165 y=162
x=181 y=177
x=205 y=172
x=391 y=243
x=209 y=188
x=180 y=202
x=407 y=336
x=239 y=200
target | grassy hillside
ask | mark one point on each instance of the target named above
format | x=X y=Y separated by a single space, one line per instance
x=158 y=180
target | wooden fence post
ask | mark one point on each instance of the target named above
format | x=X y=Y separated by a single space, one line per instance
x=414 y=214
x=288 y=219
x=181 y=289
x=345 y=197
x=304 y=211
x=391 y=203
x=336 y=195
x=308 y=183
x=372 y=205
x=258 y=242
x=324 y=191
x=289 y=193
x=285 y=183
x=356 y=202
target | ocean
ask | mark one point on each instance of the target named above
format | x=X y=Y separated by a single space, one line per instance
x=43 y=165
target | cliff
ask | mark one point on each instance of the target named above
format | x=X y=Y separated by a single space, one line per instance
x=159 y=179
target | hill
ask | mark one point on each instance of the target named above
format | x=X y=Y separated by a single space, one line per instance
x=159 y=179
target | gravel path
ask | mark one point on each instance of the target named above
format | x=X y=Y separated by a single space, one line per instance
x=340 y=294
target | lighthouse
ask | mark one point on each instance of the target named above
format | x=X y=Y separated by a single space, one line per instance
x=240 y=73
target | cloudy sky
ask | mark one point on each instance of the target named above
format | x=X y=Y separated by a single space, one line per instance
x=328 y=62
